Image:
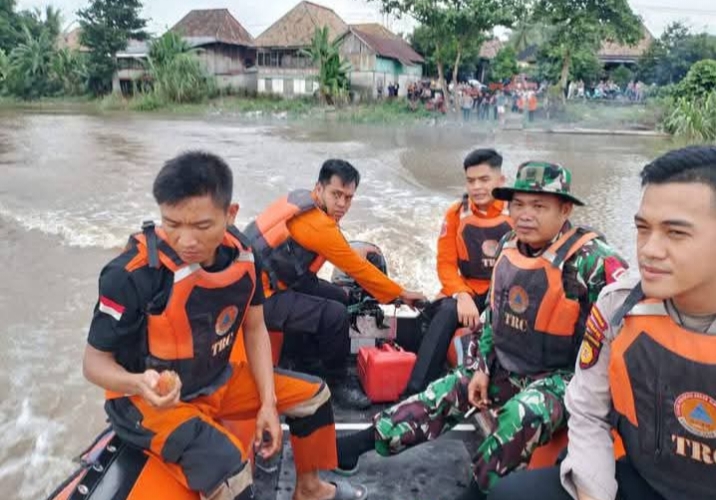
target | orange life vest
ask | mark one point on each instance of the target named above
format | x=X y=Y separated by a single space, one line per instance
x=533 y=322
x=478 y=241
x=663 y=384
x=196 y=332
x=282 y=259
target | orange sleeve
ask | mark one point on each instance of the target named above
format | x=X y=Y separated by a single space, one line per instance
x=448 y=272
x=317 y=232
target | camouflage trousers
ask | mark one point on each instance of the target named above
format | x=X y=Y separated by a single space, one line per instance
x=528 y=412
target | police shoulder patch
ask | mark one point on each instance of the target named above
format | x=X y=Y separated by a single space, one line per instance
x=593 y=339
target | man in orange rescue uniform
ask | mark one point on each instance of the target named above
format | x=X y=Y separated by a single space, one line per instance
x=467 y=250
x=294 y=237
x=547 y=276
x=648 y=361
x=175 y=301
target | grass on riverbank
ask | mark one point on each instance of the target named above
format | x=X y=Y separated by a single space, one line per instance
x=271 y=107
x=599 y=115
x=593 y=115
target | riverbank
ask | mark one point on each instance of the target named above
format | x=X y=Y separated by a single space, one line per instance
x=578 y=117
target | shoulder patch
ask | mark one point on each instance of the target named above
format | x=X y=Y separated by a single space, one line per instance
x=614 y=268
x=593 y=339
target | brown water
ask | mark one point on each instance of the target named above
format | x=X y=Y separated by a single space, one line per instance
x=72 y=187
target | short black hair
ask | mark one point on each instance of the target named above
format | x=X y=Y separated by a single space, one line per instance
x=191 y=174
x=480 y=156
x=346 y=172
x=693 y=164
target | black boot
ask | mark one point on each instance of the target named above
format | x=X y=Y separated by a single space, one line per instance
x=351 y=447
x=347 y=392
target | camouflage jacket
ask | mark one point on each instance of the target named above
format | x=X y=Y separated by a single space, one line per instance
x=584 y=275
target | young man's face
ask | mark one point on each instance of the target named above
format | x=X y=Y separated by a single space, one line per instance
x=480 y=181
x=676 y=244
x=195 y=228
x=538 y=217
x=336 y=197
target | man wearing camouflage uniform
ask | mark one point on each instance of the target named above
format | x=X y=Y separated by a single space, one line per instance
x=547 y=276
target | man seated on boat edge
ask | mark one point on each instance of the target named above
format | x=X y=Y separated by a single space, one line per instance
x=294 y=237
x=176 y=299
x=547 y=276
x=648 y=367
x=466 y=255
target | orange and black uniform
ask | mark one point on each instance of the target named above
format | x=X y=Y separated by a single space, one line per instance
x=155 y=311
x=467 y=247
x=663 y=384
x=294 y=237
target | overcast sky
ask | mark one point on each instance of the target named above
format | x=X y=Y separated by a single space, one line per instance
x=257 y=15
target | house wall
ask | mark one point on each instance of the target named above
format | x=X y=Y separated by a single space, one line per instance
x=287 y=82
x=387 y=71
x=247 y=80
x=224 y=59
x=359 y=55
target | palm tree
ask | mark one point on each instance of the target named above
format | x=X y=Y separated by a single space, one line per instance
x=69 y=68
x=4 y=67
x=333 y=80
x=30 y=66
x=176 y=73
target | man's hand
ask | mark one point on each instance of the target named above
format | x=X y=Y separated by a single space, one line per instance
x=477 y=390
x=410 y=298
x=467 y=313
x=148 y=384
x=584 y=496
x=268 y=424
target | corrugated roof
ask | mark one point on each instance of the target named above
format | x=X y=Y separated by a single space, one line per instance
x=297 y=27
x=491 y=48
x=616 y=51
x=386 y=44
x=216 y=24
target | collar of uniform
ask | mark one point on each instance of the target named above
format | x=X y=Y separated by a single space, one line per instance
x=496 y=208
x=527 y=251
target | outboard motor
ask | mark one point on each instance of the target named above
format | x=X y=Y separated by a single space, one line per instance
x=360 y=302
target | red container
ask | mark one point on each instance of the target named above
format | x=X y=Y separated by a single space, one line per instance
x=384 y=371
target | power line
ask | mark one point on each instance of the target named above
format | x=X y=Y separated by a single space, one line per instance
x=666 y=8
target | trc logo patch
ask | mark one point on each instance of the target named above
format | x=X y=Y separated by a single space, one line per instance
x=696 y=413
x=518 y=299
x=226 y=320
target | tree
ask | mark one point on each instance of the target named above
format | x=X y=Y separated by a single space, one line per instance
x=528 y=31
x=584 y=25
x=4 y=69
x=8 y=25
x=177 y=75
x=455 y=26
x=622 y=75
x=37 y=21
x=107 y=26
x=333 y=80
x=504 y=65
x=585 y=65
x=30 y=67
x=668 y=59
x=69 y=69
x=700 y=81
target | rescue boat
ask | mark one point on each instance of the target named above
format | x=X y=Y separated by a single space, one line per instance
x=110 y=469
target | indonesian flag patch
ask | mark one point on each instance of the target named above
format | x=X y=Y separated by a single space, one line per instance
x=593 y=339
x=108 y=306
